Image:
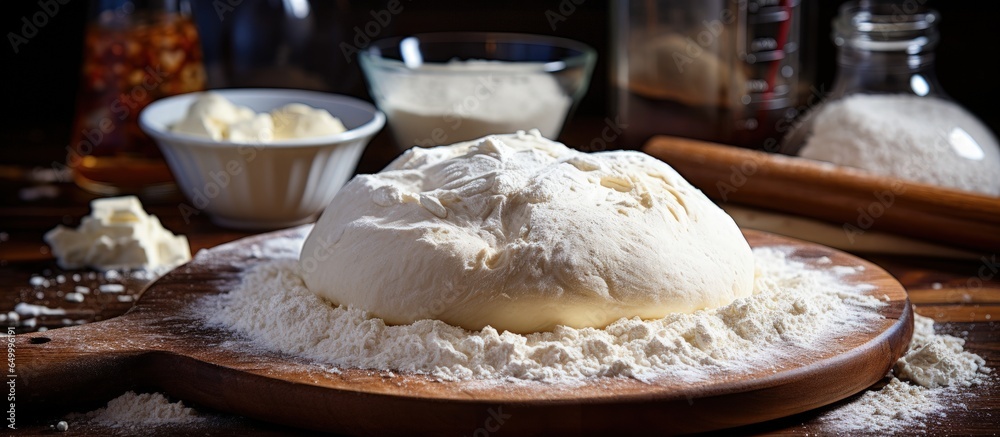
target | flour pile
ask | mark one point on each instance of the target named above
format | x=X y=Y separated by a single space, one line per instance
x=927 y=379
x=936 y=360
x=794 y=310
x=134 y=411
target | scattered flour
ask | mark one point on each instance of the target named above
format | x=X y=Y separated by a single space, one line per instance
x=938 y=360
x=53 y=288
x=24 y=309
x=923 y=139
x=927 y=379
x=133 y=411
x=897 y=407
x=793 y=309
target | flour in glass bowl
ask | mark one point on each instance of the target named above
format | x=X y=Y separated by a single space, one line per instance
x=443 y=103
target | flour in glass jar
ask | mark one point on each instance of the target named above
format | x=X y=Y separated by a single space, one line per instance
x=923 y=139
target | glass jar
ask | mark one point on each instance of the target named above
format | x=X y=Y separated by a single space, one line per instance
x=887 y=113
x=135 y=51
x=728 y=71
x=300 y=44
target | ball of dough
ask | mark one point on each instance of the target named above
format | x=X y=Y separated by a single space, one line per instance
x=523 y=234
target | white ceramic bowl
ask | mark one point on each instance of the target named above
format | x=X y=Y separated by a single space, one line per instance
x=262 y=186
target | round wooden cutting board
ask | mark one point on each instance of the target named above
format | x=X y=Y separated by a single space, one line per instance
x=160 y=344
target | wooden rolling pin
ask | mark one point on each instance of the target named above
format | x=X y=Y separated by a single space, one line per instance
x=855 y=200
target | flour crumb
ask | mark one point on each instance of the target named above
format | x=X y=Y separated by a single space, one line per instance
x=138 y=411
x=938 y=360
x=112 y=288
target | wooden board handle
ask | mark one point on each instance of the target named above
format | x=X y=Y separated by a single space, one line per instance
x=74 y=365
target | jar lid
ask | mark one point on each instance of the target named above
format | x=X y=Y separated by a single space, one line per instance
x=872 y=26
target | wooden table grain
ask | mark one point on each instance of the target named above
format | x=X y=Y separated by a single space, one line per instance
x=962 y=295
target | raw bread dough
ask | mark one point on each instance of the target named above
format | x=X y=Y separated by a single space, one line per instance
x=524 y=234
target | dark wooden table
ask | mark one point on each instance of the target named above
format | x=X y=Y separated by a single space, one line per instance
x=963 y=295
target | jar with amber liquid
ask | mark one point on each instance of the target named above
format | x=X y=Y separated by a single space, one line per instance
x=134 y=53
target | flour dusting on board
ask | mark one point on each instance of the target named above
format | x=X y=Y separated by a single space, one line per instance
x=793 y=311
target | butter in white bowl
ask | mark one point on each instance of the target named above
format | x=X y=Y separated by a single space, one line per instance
x=215 y=117
x=296 y=120
x=211 y=115
x=275 y=167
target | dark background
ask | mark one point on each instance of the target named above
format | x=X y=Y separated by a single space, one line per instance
x=41 y=80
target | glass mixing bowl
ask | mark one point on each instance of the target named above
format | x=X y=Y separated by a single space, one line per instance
x=442 y=88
